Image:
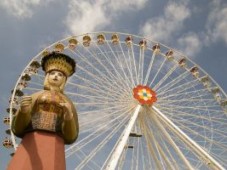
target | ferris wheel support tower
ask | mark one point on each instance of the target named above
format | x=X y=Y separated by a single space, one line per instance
x=184 y=137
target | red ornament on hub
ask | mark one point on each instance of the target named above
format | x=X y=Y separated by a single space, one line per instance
x=144 y=94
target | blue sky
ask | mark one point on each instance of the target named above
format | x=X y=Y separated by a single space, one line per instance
x=196 y=28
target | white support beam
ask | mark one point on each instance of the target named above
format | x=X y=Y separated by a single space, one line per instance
x=123 y=141
x=208 y=159
x=171 y=141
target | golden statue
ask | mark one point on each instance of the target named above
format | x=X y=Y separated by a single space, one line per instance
x=47 y=119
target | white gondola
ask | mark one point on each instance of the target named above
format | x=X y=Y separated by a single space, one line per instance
x=59 y=47
x=8 y=131
x=86 y=41
x=7 y=143
x=156 y=49
x=216 y=92
x=101 y=39
x=6 y=120
x=206 y=82
x=143 y=44
x=129 y=40
x=115 y=39
x=22 y=84
x=182 y=62
x=72 y=43
x=14 y=100
x=169 y=55
x=195 y=71
x=14 y=110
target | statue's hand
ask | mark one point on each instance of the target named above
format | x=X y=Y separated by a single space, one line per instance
x=26 y=104
x=68 y=114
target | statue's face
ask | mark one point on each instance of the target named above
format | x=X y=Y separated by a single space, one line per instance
x=56 y=78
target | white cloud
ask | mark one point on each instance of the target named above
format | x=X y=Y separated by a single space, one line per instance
x=21 y=8
x=163 y=27
x=122 y=5
x=190 y=44
x=217 y=22
x=85 y=16
x=88 y=16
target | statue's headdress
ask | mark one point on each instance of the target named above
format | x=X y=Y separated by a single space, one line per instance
x=58 y=61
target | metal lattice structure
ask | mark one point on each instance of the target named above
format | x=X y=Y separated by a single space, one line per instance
x=184 y=129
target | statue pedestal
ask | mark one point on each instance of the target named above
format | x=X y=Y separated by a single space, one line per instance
x=39 y=151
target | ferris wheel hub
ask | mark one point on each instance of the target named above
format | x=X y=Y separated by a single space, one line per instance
x=144 y=94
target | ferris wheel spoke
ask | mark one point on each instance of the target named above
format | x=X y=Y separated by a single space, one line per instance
x=174 y=81
x=183 y=123
x=164 y=156
x=92 y=136
x=32 y=89
x=200 y=92
x=133 y=69
x=89 y=90
x=164 y=159
x=99 y=146
x=101 y=84
x=202 y=154
x=98 y=99
x=207 y=139
x=92 y=162
x=168 y=152
x=158 y=71
x=93 y=84
x=195 y=108
x=98 y=73
x=189 y=116
x=136 y=152
x=90 y=97
x=141 y=65
x=149 y=68
x=100 y=81
x=100 y=104
x=150 y=158
x=108 y=69
x=142 y=152
x=121 y=161
x=36 y=83
x=109 y=75
x=117 y=57
x=100 y=128
x=123 y=64
x=182 y=87
x=139 y=154
x=119 y=146
x=110 y=109
x=164 y=78
x=103 y=118
x=151 y=147
x=96 y=89
x=131 y=53
x=190 y=100
x=128 y=61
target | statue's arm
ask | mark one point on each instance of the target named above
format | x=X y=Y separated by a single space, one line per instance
x=70 y=126
x=22 y=117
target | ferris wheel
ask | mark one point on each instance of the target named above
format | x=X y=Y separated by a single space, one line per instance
x=141 y=105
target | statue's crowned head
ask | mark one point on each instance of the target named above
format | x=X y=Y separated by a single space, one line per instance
x=60 y=62
x=56 y=61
